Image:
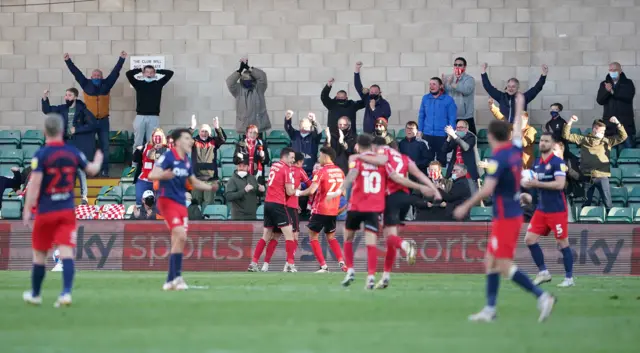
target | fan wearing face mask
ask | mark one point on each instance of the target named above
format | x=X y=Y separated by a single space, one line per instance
x=242 y=191
x=79 y=128
x=148 y=156
x=305 y=140
x=248 y=86
x=615 y=95
x=375 y=105
x=595 y=150
x=148 y=210
x=556 y=124
x=340 y=106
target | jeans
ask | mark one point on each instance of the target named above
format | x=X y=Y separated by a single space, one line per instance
x=84 y=189
x=103 y=142
x=602 y=185
x=141 y=187
x=143 y=127
x=435 y=149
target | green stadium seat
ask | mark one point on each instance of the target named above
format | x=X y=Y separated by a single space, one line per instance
x=483 y=136
x=571 y=212
x=274 y=153
x=630 y=174
x=109 y=195
x=592 y=214
x=636 y=214
x=483 y=214
x=620 y=215
x=634 y=195
x=226 y=171
x=613 y=157
x=28 y=151
x=616 y=177
x=127 y=174
x=392 y=132
x=619 y=196
x=629 y=156
x=216 y=212
x=128 y=213
x=10 y=137
x=5 y=170
x=118 y=138
x=575 y=130
x=232 y=136
x=401 y=135
x=32 y=137
x=587 y=131
x=11 y=208
x=129 y=194
x=278 y=137
x=575 y=150
x=225 y=153
x=11 y=156
x=260 y=212
x=487 y=154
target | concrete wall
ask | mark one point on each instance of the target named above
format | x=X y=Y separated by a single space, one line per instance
x=303 y=43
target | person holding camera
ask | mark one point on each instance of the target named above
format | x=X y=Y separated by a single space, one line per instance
x=148 y=211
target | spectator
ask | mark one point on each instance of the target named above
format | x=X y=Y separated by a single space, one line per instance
x=381 y=130
x=193 y=209
x=459 y=191
x=595 y=149
x=10 y=183
x=148 y=97
x=375 y=105
x=248 y=86
x=204 y=155
x=506 y=99
x=343 y=141
x=148 y=211
x=574 y=175
x=79 y=129
x=413 y=147
x=616 y=95
x=242 y=193
x=528 y=136
x=462 y=143
x=437 y=110
x=339 y=107
x=96 y=96
x=152 y=151
x=306 y=140
x=435 y=174
x=556 y=124
x=462 y=87
x=254 y=152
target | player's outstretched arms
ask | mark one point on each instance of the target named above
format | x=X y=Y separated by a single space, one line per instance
x=418 y=174
x=158 y=173
x=410 y=184
x=351 y=176
x=290 y=189
x=201 y=185
x=93 y=168
x=516 y=136
x=308 y=191
x=487 y=189
x=378 y=159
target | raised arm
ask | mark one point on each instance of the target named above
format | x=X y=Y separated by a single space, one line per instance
x=168 y=74
x=233 y=85
x=532 y=92
x=93 y=168
x=622 y=133
x=566 y=132
x=324 y=95
x=131 y=77
x=77 y=74
x=261 y=79
x=115 y=73
x=492 y=91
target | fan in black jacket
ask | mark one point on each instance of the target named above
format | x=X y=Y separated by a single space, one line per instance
x=340 y=106
x=616 y=95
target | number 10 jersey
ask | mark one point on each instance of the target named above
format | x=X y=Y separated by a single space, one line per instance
x=369 y=189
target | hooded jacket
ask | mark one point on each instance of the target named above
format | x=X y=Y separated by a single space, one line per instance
x=618 y=104
x=506 y=101
x=251 y=107
x=595 y=152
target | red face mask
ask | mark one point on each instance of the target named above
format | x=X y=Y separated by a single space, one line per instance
x=434 y=175
x=458 y=70
x=157 y=139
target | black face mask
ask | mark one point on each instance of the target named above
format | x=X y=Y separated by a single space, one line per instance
x=374 y=96
x=68 y=103
x=341 y=101
x=150 y=201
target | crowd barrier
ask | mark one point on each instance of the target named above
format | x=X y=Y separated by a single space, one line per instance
x=227 y=246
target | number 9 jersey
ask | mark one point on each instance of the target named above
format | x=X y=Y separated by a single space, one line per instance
x=368 y=191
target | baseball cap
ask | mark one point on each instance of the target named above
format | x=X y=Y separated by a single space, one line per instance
x=148 y=193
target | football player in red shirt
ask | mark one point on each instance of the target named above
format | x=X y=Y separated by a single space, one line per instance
x=324 y=212
x=503 y=182
x=53 y=178
x=174 y=174
x=279 y=188
x=366 y=203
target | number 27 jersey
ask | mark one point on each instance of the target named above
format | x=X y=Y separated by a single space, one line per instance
x=369 y=189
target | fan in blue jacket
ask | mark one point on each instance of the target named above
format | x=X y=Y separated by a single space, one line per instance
x=437 y=111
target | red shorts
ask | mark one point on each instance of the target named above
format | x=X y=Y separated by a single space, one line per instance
x=175 y=214
x=57 y=227
x=542 y=223
x=503 y=240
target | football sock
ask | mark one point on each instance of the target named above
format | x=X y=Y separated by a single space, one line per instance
x=335 y=247
x=372 y=259
x=290 y=247
x=538 y=256
x=37 y=276
x=317 y=252
x=394 y=240
x=348 y=253
x=258 y=251
x=178 y=264
x=493 y=283
x=172 y=268
x=271 y=248
x=525 y=282
x=390 y=256
x=567 y=258
x=68 y=272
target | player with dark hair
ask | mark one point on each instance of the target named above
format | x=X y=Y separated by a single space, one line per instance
x=52 y=180
x=327 y=181
x=397 y=203
x=366 y=203
x=503 y=182
x=276 y=215
x=552 y=214
x=174 y=173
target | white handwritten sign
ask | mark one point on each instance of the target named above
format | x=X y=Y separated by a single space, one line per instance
x=139 y=62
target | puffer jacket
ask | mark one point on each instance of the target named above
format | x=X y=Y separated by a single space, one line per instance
x=436 y=113
x=595 y=152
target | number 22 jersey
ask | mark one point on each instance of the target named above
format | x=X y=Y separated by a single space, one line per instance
x=369 y=189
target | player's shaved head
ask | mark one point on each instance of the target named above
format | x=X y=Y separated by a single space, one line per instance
x=53 y=125
x=327 y=154
x=364 y=142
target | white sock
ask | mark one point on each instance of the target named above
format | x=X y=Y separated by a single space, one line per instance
x=405 y=245
x=351 y=271
x=371 y=278
x=386 y=275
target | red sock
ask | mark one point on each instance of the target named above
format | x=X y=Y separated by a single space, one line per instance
x=290 y=247
x=317 y=252
x=271 y=248
x=348 y=253
x=372 y=259
x=335 y=247
x=258 y=251
x=395 y=240
x=390 y=256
